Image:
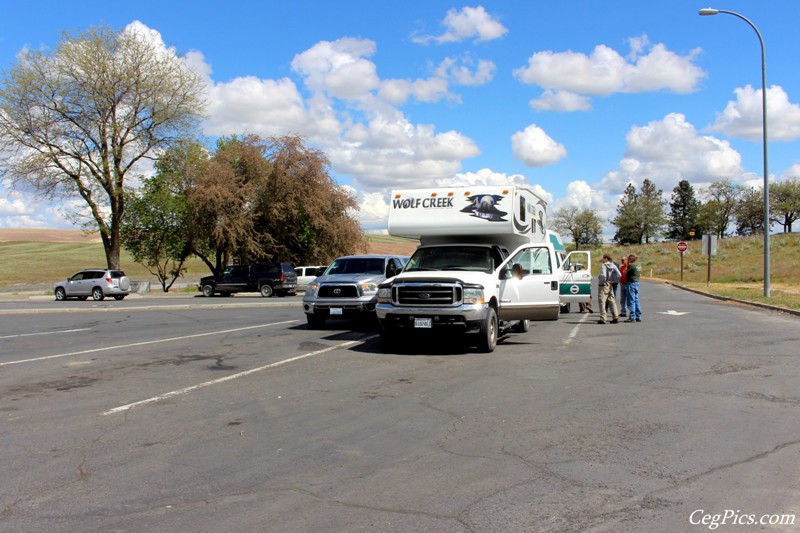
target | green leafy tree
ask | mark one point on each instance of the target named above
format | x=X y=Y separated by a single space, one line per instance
x=684 y=208
x=584 y=225
x=640 y=215
x=651 y=209
x=628 y=218
x=155 y=230
x=749 y=212
x=717 y=212
x=222 y=202
x=75 y=120
x=784 y=200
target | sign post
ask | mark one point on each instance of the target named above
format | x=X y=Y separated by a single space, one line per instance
x=682 y=247
x=709 y=248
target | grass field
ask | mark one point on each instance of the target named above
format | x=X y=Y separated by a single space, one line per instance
x=736 y=270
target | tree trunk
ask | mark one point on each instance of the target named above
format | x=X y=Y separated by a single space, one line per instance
x=111 y=244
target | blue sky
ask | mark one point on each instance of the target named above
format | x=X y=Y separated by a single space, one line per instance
x=575 y=99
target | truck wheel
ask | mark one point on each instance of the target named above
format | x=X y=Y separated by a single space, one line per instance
x=522 y=326
x=266 y=290
x=487 y=338
x=315 y=321
x=208 y=291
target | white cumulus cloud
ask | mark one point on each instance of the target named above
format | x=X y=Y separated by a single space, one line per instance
x=743 y=118
x=561 y=101
x=466 y=23
x=535 y=148
x=605 y=71
x=669 y=150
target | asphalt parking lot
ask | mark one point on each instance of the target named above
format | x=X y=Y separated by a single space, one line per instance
x=170 y=414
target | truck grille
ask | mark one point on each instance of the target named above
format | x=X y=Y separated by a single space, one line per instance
x=427 y=294
x=338 y=291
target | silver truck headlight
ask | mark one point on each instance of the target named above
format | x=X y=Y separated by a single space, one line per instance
x=385 y=295
x=473 y=296
x=368 y=288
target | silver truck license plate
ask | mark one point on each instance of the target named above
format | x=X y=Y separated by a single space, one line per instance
x=422 y=323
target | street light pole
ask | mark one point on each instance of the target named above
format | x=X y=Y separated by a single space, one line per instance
x=710 y=11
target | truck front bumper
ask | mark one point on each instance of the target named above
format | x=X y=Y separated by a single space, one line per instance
x=461 y=319
x=332 y=308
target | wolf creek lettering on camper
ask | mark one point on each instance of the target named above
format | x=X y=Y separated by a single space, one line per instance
x=425 y=203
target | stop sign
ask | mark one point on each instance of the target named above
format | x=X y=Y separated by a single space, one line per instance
x=682 y=247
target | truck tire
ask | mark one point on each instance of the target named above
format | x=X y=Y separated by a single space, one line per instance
x=315 y=321
x=487 y=337
x=522 y=326
x=208 y=290
x=266 y=290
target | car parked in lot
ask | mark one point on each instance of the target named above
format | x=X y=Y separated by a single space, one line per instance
x=266 y=278
x=349 y=287
x=95 y=282
x=307 y=274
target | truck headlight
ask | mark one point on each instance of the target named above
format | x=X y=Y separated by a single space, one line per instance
x=473 y=296
x=368 y=288
x=312 y=288
x=385 y=295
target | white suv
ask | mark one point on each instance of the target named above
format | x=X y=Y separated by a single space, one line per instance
x=95 y=282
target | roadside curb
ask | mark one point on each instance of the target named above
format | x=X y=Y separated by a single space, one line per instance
x=768 y=307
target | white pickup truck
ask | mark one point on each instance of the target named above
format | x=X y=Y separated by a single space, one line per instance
x=487 y=263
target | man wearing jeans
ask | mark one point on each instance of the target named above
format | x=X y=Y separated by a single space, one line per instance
x=633 y=275
x=623 y=288
x=609 y=274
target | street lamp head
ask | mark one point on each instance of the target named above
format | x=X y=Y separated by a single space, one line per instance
x=708 y=11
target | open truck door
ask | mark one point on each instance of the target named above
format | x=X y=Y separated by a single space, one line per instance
x=576 y=278
x=529 y=284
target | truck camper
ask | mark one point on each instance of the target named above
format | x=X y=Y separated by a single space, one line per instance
x=486 y=264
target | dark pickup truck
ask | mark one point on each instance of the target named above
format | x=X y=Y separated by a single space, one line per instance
x=266 y=278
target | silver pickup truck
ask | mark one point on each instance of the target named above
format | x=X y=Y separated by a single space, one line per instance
x=349 y=286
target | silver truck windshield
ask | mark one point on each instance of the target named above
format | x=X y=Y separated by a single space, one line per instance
x=477 y=258
x=356 y=265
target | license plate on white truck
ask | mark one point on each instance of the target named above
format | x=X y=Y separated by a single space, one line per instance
x=336 y=310
x=423 y=323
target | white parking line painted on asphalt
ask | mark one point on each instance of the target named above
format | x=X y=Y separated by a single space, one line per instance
x=186 y=390
x=145 y=343
x=43 y=333
x=574 y=332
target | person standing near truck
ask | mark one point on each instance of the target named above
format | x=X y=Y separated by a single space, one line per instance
x=609 y=274
x=623 y=287
x=633 y=274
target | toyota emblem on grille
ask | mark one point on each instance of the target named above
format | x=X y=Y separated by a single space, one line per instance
x=337 y=291
x=424 y=296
